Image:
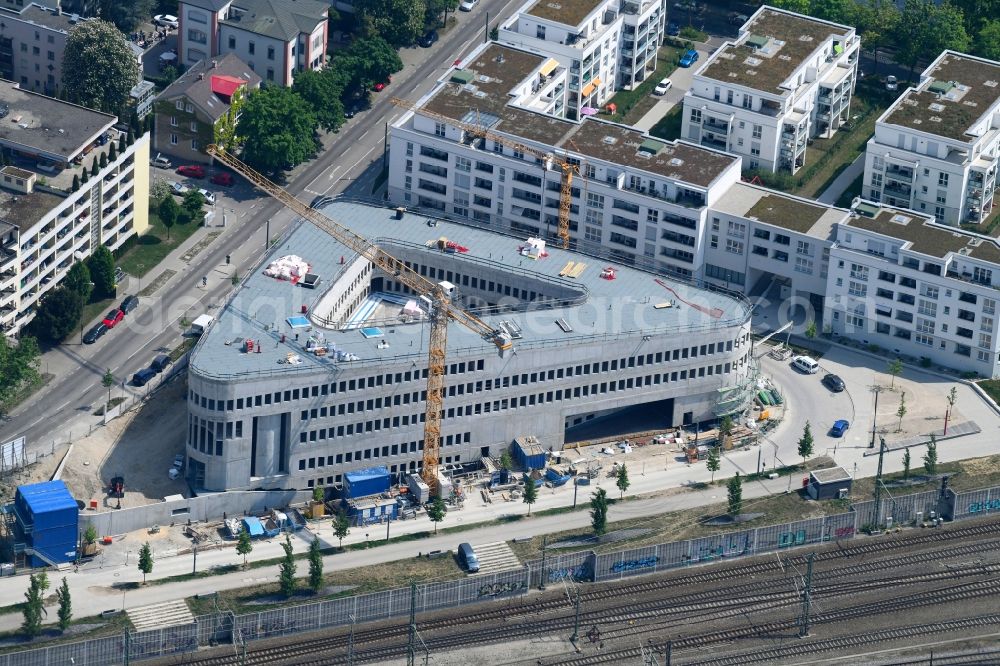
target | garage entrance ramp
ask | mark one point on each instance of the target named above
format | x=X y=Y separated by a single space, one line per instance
x=496 y=557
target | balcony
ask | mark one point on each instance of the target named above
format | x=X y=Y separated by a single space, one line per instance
x=899 y=173
x=898 y=189
x=715 y=124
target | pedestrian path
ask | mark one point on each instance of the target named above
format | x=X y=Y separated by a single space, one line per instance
x=165 y=614
x=843 y=181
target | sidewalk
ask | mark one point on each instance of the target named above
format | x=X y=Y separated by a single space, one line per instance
x=843 y=181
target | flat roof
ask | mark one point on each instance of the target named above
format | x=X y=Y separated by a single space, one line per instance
x=567 y=12
x=25 y=210
x=921 y=232
x=781 y=210
x=786 y=39
x=830 y=475
x=955 y=92
x=48 y=125
x=495 y=70
x=260 y=308
x=47 y=496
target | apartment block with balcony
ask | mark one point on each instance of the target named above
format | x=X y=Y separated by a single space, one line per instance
x=32 y=42
x=276 y=38
x=46 y=225
x=636 y=199
x=786 y=79
x=936 y=149
x=904 y=283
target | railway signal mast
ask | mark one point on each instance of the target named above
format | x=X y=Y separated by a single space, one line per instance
x=435 y=296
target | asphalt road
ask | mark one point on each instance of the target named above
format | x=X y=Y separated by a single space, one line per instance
x=61 y=410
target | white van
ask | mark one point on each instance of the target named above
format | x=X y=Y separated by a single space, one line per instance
x=806 y=364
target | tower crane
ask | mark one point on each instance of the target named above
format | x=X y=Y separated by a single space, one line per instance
x=569 y=169
x=442 y=310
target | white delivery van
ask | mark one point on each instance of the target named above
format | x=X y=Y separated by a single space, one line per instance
x=806 y=364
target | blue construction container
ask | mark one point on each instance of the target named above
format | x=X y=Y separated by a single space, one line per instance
x=368 y=510
x=366 y=482
x=529 y=453
x=48 y=522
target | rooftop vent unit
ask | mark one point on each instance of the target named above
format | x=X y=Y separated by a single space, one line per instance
x=935 y=119
x=969 y=102
x=753 y=62
x=901 y=219
x=483 y=78
x=553 y=5
x=990 y=84
x=805 y=38
x=934 y=106
x=676 y=161
x=610 y=140
x=500 y=58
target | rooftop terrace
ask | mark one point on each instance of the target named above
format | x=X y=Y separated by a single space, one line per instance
x=780 y=210
x=609 y=309
x=567 y=12
x=495 y=70
x=923 y=235
x=771 y=46
x=955 y=92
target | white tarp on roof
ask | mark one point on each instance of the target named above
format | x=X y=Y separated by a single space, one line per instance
x=287 y=267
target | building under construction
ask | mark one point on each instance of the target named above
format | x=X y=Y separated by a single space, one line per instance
x=317 y=366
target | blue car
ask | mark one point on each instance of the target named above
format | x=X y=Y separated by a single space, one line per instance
x=673 y=30
x=840 y=426
x=689 y=58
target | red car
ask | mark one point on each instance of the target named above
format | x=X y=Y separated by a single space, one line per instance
x=191 y=171
x=113 y=318
x=379 y=87
x=224 y=179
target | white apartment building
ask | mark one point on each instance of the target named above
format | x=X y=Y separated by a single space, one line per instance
x=276 y=38
x=935 y=149
x=46 y=226
x=32 y=42
x=604 y=45
x=638 y=199
x=904 y=283
x=786 y=79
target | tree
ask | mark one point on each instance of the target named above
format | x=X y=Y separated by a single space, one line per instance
x=712 y=462
x=895 y=367
x=315 y=566
x=103 y=162
x=811 y=329
x=988 y=40
x=341 y=527
x=906 y=463
x=287 y=569
x=145 y=561
x=76 y=182
x=78 y=279
x=436 y=512
x=112 y=151
x=65 y=605
x=243 y=544
x=530 y=492
x=84 y=176
x=399 y=22
x=798 y=6
x=506 y=462
x=127 y=15
x=725 y=429
x=928 y=28
x=367 y=61
x=225 y=127
x=952 y=397
x=101 y=265
x=322 y=90
x=99 y=68
x=930 y=458
x=806 y=442
x=168 y=211
x=901 y=412
x=107 y=381
x=194 y=205
x=32 y=609
x=838 y=11
x=18 y=366
x=279 y=128
x=599 y=511
x=435 y=8
x=734 y=495
x=94 y=168
x=622 y=480
x=876 y=22
x=58 y=314
x=319 y=494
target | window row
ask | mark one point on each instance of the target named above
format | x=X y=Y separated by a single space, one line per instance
x=386 y=451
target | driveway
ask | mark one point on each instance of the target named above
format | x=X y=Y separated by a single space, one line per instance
x=681 y=78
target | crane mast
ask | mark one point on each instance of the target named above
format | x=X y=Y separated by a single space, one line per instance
x=441 y=308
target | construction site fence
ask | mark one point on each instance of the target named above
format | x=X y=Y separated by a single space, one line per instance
x=225 y=628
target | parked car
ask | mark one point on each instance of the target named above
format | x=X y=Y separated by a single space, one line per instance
x=673 y=29
x=142 y=377
x=180 y=189
x=662 y=87
x=738 y=19
x=119 y=274
x=179 y=461
x=834 y=383
x=467 y=557
x=840 y=426
x=191 y=170
x=379 y=87
x=468 y=5
x=805 y=364
x=112 y=318
x=356 y=107
x=130 y=303
x=689 y=58
x=891 y=83
x=224 y=179
x=209 y=196
x=428 y=39
x=160 y=363
x=165 y=21
x=160 y=162
x=94 y=334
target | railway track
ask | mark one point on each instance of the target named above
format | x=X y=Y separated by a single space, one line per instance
x=703 y=601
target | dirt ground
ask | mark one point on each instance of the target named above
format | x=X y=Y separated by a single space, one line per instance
x=140 y=446
x=925 y=408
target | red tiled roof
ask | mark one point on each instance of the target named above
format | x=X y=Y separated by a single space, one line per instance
x=226 y=85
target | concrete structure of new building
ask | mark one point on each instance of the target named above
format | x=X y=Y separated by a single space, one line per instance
x=32 y=42
x=191 y=109
x=786 y=79
x=604 y=45
x=333 y=379
x=276 y=38
x=935 y=150
x=44 y=225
